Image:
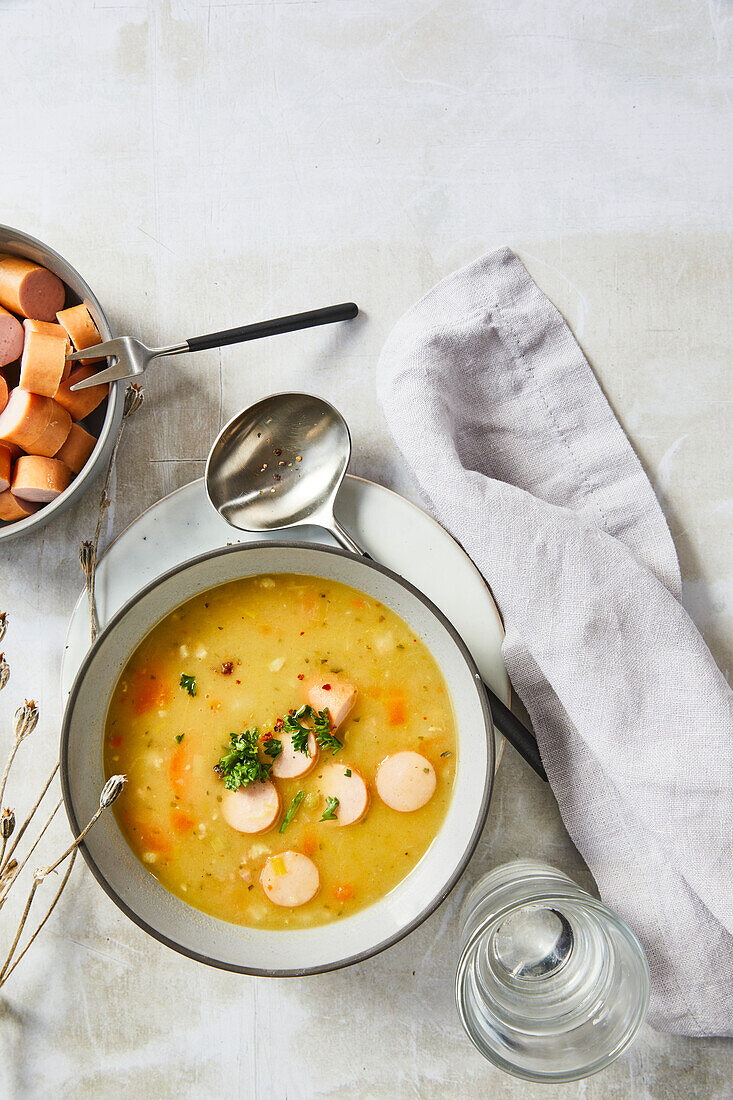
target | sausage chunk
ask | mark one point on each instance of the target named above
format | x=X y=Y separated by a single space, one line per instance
x=290 y=879
x=350 y=789
x=252 y=809
x=40 y=479
x=339 y=697
x=290 y=763
x=30 y=289
x=405 y=781
x=77 y=448
x=11 y=337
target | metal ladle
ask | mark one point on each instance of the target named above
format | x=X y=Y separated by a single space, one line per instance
x=280 y=464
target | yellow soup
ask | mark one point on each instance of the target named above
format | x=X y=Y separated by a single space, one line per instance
x=241 y=657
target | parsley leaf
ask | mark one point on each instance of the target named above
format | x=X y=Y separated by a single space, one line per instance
x=347 y=773
x=188 y=683
x=241 y=764
x=273 y=747
x=293 y=725
x=291 y=811
x=329 y=814
x=179 y=737
x=446 y=754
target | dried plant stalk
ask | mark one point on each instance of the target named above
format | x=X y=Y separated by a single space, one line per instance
x=88 y=552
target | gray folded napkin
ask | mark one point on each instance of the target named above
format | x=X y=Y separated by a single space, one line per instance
x=515 y=447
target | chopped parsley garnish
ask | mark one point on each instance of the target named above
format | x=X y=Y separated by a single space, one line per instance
x=179 y=737
x=241 y=764
x=446 y=754
x=329 y=814
x=347 y=773
x=188 y=683
x=321 y=730
x=291 y=811
x=273 y=747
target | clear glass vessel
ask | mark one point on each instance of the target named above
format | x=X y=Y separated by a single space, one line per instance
x=551 y=984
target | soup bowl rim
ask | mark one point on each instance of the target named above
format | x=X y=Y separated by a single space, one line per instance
x=459 y=865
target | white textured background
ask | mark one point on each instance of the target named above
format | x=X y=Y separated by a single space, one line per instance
x=207 y=164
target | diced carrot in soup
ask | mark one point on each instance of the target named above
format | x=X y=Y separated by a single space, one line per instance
x=397 y=710
x=148 y=692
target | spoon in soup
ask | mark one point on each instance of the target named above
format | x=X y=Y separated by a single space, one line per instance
x=280 y=464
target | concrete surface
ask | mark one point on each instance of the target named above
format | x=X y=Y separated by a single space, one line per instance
x=204 y=164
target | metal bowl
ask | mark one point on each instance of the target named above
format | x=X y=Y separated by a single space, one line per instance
x=105 y=420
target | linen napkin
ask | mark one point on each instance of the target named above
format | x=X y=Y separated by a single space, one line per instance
x=510 y=438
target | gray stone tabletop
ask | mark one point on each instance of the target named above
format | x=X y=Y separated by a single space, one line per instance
x=207 y=163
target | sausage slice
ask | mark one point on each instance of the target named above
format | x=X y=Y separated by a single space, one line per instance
x=43 y=363
x=81 y=403
x=405 y=781
x=55 y=433
x=290 y=879
x=11 y=337
x=338 y=696
x=30 y=289
x=13 y=508
x=351 y=791
x=78 y=323
x=25 y=418
x=292 y=764
x=39 y=479
x=77 y=448
x=252 y=809
x=6 y=463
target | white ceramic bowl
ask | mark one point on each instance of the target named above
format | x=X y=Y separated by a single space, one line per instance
x=105 y=420
x=217 y=942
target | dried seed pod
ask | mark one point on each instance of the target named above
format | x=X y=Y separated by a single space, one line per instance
x=134 y=398
x=26 y=720
x=112 y=790
x=4 y=671
x=7 y=823
x=3 y=624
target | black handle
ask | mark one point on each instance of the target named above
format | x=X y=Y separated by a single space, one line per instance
x=516 y=733
x=344 y=312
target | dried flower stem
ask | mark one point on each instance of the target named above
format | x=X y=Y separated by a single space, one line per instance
x=19 y=866
x=6 y=973
x=89 y=550
x=29 y=818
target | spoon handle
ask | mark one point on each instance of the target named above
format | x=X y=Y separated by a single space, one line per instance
x=507 y=723
x=326 y=316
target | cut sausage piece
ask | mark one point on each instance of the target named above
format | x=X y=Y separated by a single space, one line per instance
x=6 y=462
x=83 y=333
x=290 y=879
x=55 y=434
x=80 y=404
x=11 y=337
x=77 y=448
x=252 y=809
x=351 y=791
x=290 y=763
x=405 y=781
x=43 y=363
x=50 y=329
x=13 y=508
x=339 y=697
x=40 y=479
x=3 y=392
x=25 y=418
x=30 y=289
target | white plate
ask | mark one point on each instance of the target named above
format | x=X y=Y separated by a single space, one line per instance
x=391 y=529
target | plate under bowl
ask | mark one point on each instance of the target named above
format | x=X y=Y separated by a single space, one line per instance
x=219 y=943
x=105 y=420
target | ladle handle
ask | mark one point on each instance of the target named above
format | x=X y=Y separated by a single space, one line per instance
x=346 y=311
x=344 y=539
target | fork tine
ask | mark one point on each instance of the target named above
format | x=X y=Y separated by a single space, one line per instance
x=107 y=348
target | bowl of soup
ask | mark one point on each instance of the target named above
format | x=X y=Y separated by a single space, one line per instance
x=309 y=757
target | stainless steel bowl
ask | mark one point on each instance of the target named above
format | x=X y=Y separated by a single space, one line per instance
x=105 y=420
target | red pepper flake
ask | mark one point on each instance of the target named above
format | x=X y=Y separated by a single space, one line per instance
x=279 y=724
x=301 y=676
x=227 y=668
x=302 y=633
x=326 y=687
x=267 y=737
x=238 y=681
